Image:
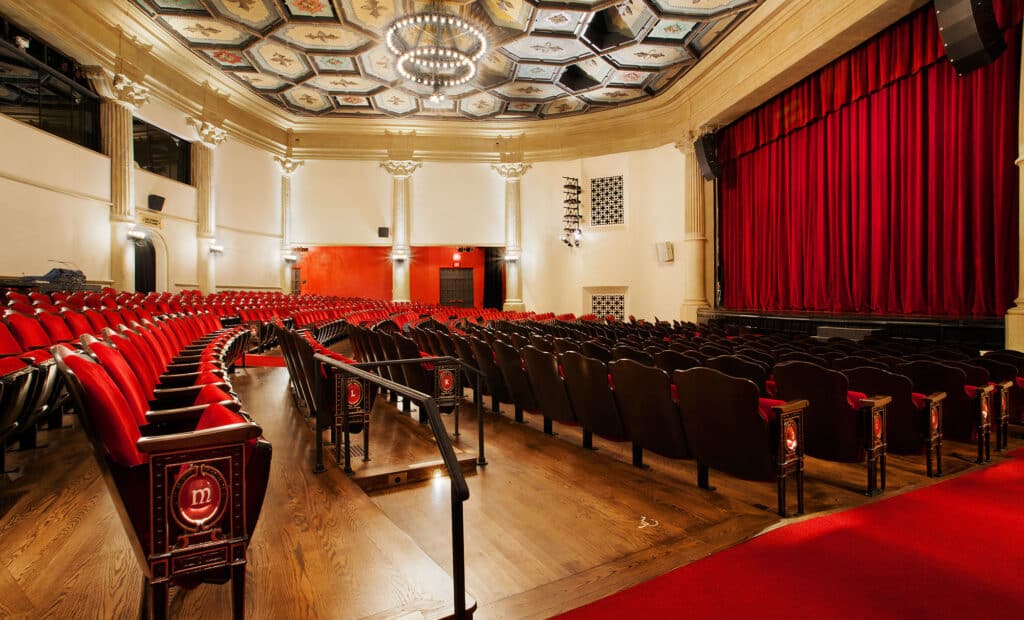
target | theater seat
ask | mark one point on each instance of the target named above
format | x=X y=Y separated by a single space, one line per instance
x=589 y=385
x=913 y=420
x=548 y=386
x=192 y=527
x=841 y=425
x=513 y=370
x=644 y=397
x=730 y=428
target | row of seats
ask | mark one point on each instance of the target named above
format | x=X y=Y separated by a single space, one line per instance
x=742 y=434
x=186 y=465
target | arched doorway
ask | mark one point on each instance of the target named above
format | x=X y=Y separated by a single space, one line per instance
x=145 y=266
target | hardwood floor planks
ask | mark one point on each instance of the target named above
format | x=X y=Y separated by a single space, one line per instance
x=549 y=525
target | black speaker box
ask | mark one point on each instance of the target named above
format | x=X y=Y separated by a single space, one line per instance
x=706 y=148
x=969 y=32
x=156 y=203
x=383 y=232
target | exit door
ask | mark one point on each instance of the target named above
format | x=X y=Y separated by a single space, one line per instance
x=457 y=287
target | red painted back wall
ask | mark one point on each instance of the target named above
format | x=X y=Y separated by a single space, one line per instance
x=347 y=271
x=359 y=271
x=425 y=279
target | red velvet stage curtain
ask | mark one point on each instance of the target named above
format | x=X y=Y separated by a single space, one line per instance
x=884 y=183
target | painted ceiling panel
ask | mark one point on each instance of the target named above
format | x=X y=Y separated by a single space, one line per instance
x=546 y=58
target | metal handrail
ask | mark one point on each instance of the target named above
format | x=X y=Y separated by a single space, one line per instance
x=459 y=488
x=481 y=458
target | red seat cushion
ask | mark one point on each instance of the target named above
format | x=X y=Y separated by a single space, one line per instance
x=108 y=411
x=771 y=388
x=764 y=407
x=920 y=400
x=11 y=364
x=971 y=391
x=211 y=394
x=854 y=398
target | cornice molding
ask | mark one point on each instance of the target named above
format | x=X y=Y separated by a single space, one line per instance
x=781 y=42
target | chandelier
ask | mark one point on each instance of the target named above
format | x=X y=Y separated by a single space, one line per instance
x=435 y=48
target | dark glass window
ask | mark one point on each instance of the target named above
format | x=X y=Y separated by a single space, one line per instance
x=160 y=152
x=46 y=89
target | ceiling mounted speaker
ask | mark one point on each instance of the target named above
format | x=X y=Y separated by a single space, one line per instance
x=156 y=203
x=706 y=148
x=969 y=32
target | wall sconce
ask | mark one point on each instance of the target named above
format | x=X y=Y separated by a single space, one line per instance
x=512 y=256
x=216 y=248
x=290 y=257
x=399 y=255
x=136 y=235
x=456 y=257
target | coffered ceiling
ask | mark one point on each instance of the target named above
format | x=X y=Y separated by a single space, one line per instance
x=547 y=59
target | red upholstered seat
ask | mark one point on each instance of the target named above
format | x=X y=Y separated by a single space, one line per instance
x=764 y=407
x=56 y=328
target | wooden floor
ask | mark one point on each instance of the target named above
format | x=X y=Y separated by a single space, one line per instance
x=549 y=525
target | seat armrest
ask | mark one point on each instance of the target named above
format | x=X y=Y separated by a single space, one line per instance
x=788 y=407
x=177 y=414
x=936 y=397
x=176 y=442
x=875 y=401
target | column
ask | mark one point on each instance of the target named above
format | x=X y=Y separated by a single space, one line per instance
x=513 y=173
x=401 y=203
x=121 y=96
x=206 y=204
x=694 y=238
x=288 y=167
x=1015 y=315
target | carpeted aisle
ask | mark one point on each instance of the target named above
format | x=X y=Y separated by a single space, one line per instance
x=954 y=549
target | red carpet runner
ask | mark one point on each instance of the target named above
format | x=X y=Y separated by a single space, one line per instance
x=271 y=361
x=954 y=549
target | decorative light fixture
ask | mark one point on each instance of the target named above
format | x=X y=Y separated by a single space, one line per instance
x=136 y=235
x=571 y=217
x=290 y=257
x=216 y=248
x=435 y=48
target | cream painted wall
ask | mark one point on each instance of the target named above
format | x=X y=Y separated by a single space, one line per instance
x=55 y=197
x=340 y=203
x=248 y=195
x=551 y=271
x=178 y=234
x=556 y=278
x=457 y=204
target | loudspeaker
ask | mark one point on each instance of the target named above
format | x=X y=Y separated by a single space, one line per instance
x=156 y=203
x=969 y=32
x=383 y=232
x=666 y=252
x=706 y=147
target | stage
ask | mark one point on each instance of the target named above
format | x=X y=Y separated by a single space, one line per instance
x=981 y=332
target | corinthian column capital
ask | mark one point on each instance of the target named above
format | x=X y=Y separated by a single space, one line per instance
x=400 y=168
x=288 y=165
x=208 y=133
x=514 y=170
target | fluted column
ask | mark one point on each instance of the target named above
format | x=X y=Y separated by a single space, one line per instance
x=121 y=96
x=401 y=204
x=209 y=136
x=695 y=236
x=513 y=173
x=288 y=167
x=1015 y=315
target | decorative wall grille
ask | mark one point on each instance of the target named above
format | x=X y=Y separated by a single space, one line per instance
x=607 y=202
x=602 y=305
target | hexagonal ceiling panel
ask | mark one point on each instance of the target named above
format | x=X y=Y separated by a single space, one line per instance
x=546 y=58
